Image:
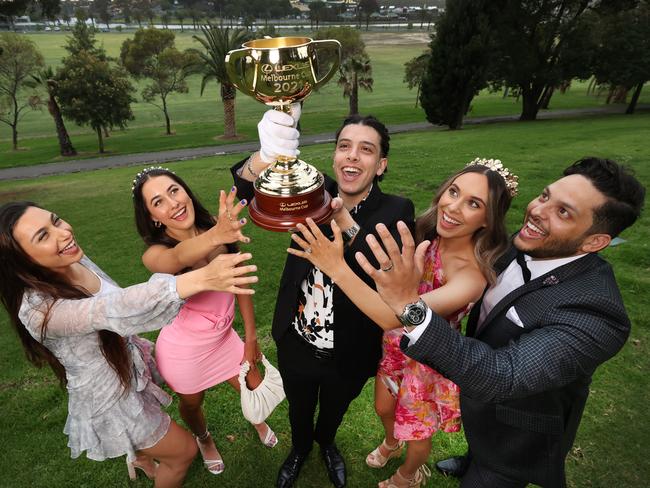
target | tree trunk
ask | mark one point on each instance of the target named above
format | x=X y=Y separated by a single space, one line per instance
x=167 y=121
x=106 y=133
x=354 y=96
x=14 y=136
x=99 y=138
x=65 y=144
x=530 y=102
x=635 y=98
x=228 y=94
x=546 y=97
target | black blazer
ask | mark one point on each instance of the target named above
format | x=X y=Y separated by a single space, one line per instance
x=524 y=388
x=357 y=339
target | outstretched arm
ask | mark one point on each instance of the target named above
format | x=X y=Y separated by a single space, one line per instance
x=581 y=332
x=162 y=259
x=138 y=308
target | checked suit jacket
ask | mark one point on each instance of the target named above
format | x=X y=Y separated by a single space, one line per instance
x=357 y=339
x=524 y=385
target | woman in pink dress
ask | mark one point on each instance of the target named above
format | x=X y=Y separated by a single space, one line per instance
x=199 y=349
x=466 y=227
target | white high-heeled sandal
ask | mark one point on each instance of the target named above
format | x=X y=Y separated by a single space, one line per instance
x=131 y=466
x=214 y=466
x=270 y=439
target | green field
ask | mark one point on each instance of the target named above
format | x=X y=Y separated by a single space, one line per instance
x=198 y=121
x=609 y=449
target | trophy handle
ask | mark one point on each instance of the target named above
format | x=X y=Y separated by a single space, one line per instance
x=235 y=69
x=327 y=44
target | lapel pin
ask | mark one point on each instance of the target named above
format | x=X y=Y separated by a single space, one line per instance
x=550 y=280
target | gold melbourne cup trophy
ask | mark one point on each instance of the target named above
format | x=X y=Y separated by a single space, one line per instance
x=277 y=72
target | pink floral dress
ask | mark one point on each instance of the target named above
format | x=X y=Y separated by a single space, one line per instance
x=426 y=400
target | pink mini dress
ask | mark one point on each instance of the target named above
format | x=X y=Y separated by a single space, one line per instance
x=200 y=349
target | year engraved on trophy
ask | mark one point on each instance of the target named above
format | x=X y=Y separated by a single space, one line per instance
x=293 y=206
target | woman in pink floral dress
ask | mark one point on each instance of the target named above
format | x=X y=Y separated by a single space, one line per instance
x=466 y=227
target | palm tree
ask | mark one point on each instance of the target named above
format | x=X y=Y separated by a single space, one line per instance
x=47 y=79
x=355 y=72
x=217 y=41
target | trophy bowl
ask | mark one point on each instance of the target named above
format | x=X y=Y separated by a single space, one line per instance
x=278 y=72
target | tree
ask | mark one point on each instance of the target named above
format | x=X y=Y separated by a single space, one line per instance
x=622 y=58
x=350 y=39
x=83 y=39
x=217 y=42
x=46 y=79
x=316 y=11
x=355 y=72
x=532 y=46
x=101 y=8
x=414 y=71
x=93 y=93
x=19 y=61
x=459 y=61
x=151 y=54
x=368 y=7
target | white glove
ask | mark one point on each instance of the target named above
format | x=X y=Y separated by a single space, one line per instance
x=278 y=134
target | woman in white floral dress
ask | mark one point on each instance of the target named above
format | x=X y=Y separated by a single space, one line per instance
x=72 y=316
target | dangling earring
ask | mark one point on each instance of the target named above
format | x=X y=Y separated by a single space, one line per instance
x=157 y=224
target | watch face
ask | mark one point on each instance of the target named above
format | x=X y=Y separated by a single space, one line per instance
x=416 y=313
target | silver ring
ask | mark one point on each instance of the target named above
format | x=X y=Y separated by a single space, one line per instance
x=308 y=250
x=388 y=268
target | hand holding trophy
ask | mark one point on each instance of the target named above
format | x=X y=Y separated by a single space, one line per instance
x=278 y=72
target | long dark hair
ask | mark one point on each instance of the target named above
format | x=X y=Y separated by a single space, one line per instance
x=18 y=274
x=151 y=234
x=490 y=241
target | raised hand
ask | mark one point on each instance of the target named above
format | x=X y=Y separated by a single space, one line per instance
x=399 y=272
x=278 y=134
x=228 y=226
x=326 y=255
x=227 y=272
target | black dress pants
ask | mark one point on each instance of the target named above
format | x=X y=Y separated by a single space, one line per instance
x=308 y=382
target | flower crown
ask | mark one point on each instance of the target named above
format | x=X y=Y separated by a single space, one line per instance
x=511 y=179
x=143 y=173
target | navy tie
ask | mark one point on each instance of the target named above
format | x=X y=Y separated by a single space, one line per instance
x=521 y=261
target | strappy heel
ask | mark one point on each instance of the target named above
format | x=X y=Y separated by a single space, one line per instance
x=398 y=480
x=270 y=439
x=377 y=460
x=149 y=471
x=214 y=466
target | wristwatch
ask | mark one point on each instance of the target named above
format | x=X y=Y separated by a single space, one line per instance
x=349 y=233
x=413 y=314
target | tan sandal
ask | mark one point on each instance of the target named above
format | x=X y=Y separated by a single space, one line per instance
x=377 y=460
x=421 y=477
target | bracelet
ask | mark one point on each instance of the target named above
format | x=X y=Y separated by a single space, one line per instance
x=249 y=167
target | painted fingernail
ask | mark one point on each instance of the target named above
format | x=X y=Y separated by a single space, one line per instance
x=243 y=201
x=233 y=189
x=242 y=221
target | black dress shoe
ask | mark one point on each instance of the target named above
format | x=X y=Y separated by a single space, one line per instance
x=290 y=468
x=454 y=466
x=335 y=465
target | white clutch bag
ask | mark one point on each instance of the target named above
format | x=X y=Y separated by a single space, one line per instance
x=257 y=404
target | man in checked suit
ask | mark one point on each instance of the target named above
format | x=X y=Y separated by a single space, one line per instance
x=537 y=335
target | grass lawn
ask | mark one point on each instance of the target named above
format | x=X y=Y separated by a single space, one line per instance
x=609 y=449
x=198 y=120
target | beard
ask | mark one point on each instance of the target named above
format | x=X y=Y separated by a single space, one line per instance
x=554 y=248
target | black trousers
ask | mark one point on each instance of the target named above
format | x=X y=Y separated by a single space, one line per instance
x=308 y=382
x=478 y=476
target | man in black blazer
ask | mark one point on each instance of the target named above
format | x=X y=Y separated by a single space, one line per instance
x=327 y=348
x=538 y=334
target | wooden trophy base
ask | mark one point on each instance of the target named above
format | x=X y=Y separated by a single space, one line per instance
x=283 y=213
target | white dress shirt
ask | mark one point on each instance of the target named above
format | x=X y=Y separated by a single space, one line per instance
x=510 y=279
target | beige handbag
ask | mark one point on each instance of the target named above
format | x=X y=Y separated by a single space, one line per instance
x=258 y=404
